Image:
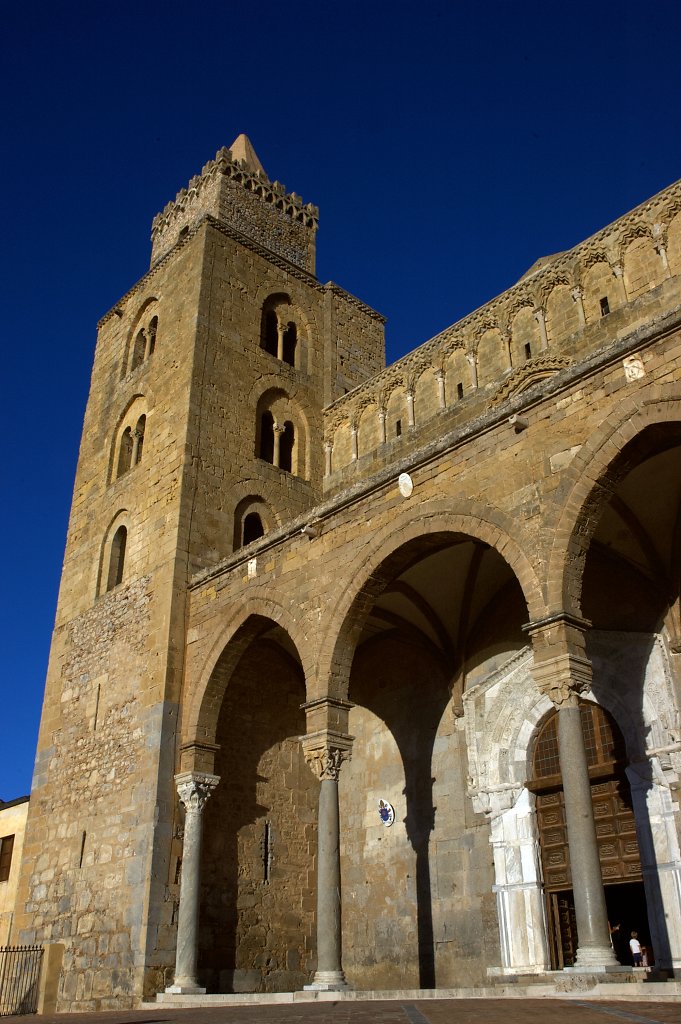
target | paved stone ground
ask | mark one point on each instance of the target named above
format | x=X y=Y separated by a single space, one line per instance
x=436 y=1011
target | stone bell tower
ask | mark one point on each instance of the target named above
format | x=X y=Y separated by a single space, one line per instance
x=202 y=432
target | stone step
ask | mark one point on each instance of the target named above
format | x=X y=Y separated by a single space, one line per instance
x=576 y=986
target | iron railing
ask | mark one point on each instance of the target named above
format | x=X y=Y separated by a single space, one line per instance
x=19 y=977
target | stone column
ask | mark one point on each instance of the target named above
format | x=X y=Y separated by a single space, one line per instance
x=660 y=249
x=410 y=409
x=328 y=450
x=325 y=750
x=470 y=356
x=618 y=271
x=381 y=426
x=137 y=439
x=280 y=341
x=441 y=396
x=278 y=431
x=193 y=788
x=354 y=452
x=578 y=299
x=562 y=671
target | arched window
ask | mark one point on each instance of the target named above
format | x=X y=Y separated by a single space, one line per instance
x=139 y=350
x=290 y=342
x=252 y=528
x=286 y=440
x=125 y=453
x=266 y=450
x=144 y=342
x=279 y=330
x=252 y=519
x=138 y=440
x=117 y=558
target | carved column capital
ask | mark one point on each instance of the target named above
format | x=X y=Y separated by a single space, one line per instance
x=194 y=789
x=326 y=748
x=561 y=667
x=326 y=762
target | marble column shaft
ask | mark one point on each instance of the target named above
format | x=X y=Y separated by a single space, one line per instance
x=587 y=883
x=194 y=790
x=325 y=761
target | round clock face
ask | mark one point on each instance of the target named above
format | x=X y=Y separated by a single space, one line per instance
x=386 y=812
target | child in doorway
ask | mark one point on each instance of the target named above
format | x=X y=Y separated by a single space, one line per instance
x=635 y=947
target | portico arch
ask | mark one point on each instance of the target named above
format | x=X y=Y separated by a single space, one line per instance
x=646 y=421
x=436 y=604
x=253 y=618
x=256 y=924
x=411 y=535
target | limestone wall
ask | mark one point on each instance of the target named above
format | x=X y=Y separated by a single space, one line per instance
x=102 y=799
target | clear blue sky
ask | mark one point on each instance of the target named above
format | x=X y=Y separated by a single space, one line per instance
x=448 y=146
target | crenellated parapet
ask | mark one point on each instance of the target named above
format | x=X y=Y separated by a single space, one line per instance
x=565 y=307
x=234 y=189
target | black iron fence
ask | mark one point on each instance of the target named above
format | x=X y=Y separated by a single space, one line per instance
x=19 y=978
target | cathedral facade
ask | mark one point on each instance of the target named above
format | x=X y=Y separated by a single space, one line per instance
x=360 y=675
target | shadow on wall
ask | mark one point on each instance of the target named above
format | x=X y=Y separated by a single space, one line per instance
x=407 y=690
x=257 y=901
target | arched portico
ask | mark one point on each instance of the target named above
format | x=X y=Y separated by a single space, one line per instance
x=435 y=606
x=615 y=561
x=254 y=871
x=410 y=536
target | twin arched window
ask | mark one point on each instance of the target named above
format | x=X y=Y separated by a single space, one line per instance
x=278 y=330
x=131 y=446
x=144 y=343
x=277 y=441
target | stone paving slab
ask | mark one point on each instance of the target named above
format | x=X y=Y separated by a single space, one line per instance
x=431 y=1011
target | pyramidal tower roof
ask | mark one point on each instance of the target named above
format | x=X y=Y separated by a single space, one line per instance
x=242 y=150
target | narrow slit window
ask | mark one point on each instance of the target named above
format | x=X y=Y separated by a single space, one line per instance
x=398 y=428
x=605 y=306
x=267 y=852
x=459 y=390
x=528 y=350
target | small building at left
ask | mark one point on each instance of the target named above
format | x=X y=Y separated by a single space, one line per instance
x=13 y=814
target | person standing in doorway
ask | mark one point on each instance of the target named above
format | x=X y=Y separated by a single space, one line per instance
x=635 y=947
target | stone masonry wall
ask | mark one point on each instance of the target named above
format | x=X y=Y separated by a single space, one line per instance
x=102 y=801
